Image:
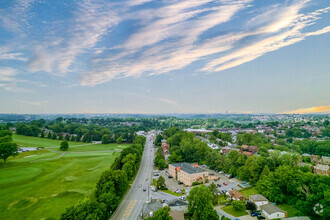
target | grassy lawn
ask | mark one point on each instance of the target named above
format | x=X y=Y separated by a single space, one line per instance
x=41 y=184
x=290 y=209
x=26 y=141
x=97 y=147
x=171 y=192
x=230 y=210
x=248 y=192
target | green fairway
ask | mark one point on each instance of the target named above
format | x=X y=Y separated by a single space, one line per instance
x=42 y=184
x=26 y=141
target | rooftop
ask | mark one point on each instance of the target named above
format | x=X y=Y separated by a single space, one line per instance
x=188 y=168
x=258 y=197
x=322 y=167
x=270 y=208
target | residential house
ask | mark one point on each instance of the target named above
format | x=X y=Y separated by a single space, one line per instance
x=226 y=150
x=236 y=195
x=259 y=200
x=166 y=150
x=272 y=211
x=247 y=153
x=322 y=169
x=249 y=150
x=315 y=158
x=325 y=160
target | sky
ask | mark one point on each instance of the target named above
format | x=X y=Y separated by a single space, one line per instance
x=164 y=56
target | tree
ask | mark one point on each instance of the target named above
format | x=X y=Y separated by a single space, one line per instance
x=105 y=139
x=42 y=135
x=200 y=203
x=265 y=171
x=161 y=214
x=8 y=149
x=250 y=206
x=158 y=140
x=119 y=140
x=214 y=191
x=49 y=135
x=54 y=136
x=67 y=137
x=160 y=184
x=86 y=209
x=64 y=145
x=238 y=205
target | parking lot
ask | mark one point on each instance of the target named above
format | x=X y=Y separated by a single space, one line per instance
x=230 y=184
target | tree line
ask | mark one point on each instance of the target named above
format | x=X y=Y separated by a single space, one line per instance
x=111 y=186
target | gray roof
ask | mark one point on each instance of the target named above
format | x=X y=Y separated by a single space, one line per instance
x=270 y=208
x=152 y=206
x=258 y=197
x=298 y=218
x=188 y=168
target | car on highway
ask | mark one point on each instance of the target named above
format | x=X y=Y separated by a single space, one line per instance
x=224 y=183
x=140 y=185
x=144 y=189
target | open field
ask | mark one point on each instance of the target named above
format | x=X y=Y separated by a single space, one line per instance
x=290 y=209
x=230 y=210
x=42 y=184
x=249 y=191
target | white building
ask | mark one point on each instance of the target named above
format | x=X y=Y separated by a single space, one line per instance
x=259 y=200
x=272 y=211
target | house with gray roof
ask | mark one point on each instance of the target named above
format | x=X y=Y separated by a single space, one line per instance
x=259 y=200
x=272 y=211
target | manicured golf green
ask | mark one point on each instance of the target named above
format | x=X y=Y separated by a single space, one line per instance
x=26 y=141
x=42 y=184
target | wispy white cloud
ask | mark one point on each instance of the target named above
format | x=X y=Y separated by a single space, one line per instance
x=39 y=103
x=92 y=20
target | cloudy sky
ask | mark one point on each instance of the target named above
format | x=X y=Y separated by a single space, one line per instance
x=169 y=56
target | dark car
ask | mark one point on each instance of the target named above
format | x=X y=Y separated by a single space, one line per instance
x=180 y=183
x=219 y=185
x=253 y=214
x=144 y=189
x=227 y=204
x=260 y=217
x=170 y=177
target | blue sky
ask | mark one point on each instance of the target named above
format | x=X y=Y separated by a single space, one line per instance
x=170 y=56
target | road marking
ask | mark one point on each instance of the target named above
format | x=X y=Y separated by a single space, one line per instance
x=129 y=208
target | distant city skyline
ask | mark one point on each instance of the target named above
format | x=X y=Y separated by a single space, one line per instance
x=154 y=57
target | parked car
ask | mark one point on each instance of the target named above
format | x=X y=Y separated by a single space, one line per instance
x=253 y=214
x=219 y=185
x=180 y=183
x=225 y=184
x=261 y=217
x=170 y=177
x=221 y=172
x=227 y=204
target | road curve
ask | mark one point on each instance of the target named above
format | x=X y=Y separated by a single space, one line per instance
x=131 y=205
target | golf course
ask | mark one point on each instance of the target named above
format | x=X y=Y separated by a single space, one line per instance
x=42 y=184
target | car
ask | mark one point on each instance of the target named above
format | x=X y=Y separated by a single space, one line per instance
x=140 y=184
x=170 y=177
x=225 y=184
x=261 y=217
x=144 y=189
x=227 y=204
x=147 y=179
x=253 y=214
x=221 y=172
x=219 y=185
x=180 y=183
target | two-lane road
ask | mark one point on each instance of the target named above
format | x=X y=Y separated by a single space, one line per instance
x=131 y=205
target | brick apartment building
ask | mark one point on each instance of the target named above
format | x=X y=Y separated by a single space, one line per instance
x=186 y=173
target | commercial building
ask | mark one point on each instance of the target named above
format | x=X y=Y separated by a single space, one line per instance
x=187 y=174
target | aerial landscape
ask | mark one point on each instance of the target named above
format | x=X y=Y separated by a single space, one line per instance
x=164 y=110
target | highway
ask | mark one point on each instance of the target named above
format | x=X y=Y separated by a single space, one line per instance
x=131 y=205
